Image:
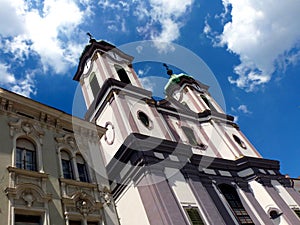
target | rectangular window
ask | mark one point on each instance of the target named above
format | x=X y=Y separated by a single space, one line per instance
x=83 y=176
x=73 y=222
x=30 y=160
x=297 y=211
x=25 y=159
x=194 y=215
x=27 y=220
x=67 y=169
x=92 y=223
x=94 y=85
x=19 y=160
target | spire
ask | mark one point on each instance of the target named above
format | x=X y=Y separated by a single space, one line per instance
x=169 y=71
x=92 y=39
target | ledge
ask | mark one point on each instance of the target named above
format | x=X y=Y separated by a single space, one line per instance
x=77 y=183
x=27 y=172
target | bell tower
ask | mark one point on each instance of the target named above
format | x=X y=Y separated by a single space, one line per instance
x=115 y=98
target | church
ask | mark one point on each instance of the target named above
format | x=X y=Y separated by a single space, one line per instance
x=135 y=160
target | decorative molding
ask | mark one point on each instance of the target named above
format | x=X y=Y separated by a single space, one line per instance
x=106 y=196
x=26 y=127
x=84 y=203
x=67 y=139
x=30 y=193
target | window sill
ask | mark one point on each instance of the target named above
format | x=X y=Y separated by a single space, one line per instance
x=78 y=183
x=30 y=173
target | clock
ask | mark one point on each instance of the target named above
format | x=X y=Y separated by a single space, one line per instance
x=87 y=66
x=177 y=95
x=110 y=133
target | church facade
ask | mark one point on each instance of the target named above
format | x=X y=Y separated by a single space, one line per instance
x=135 y=160
x=180 y=160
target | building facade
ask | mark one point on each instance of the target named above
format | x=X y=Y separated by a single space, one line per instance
x=180 y=160
x=49 y=167
x=134 y=159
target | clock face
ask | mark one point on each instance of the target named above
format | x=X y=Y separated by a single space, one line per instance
x=177 y=95
x=110 y=133
x=87 y=66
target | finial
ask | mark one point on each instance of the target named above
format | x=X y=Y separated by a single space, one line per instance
x=169 y=71
x=92 y=39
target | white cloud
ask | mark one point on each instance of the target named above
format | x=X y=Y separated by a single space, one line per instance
x=24 y=86
x=6 y=77
x=45 y=31
x=147 y=83
x=168 y=15
x=244 y=109
x=11 y=22
x=264 y=34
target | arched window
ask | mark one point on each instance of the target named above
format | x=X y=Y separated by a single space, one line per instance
x=189 y=133
x=207 y=102
x=239 y=141
x=66 y=165
x=26 y=155
x=235 y=204
x=82 y=169
x=122 y=74
x=94 y=84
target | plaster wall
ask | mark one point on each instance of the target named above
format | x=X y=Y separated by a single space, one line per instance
x=130 y=208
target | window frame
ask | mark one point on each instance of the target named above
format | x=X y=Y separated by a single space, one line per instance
x=192 y=220
x=94 y=84
x=122 y=74
x=85 y=176
x=68 y=163
x=192 y=139
x=235 y=204
x=21 y=151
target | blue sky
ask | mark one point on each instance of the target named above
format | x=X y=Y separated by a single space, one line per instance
x=252 y=47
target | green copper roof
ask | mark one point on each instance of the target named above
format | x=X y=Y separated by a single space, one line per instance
x=174 y=80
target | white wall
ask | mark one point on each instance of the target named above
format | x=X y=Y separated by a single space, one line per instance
x=130 y=208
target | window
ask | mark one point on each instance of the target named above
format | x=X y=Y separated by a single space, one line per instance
x=82 y=170
x=144 y=118
x=239 y=141
x=193 y=215
x=66 y=165
x=297 y=211
x=205 y=100
x=235 y=203
x=189 y=133
x=25 y=155
x=27 y=220
x=122 y=74
x=73 y=222
x=94 y=84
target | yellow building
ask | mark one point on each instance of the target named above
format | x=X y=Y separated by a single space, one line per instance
x=49 y=173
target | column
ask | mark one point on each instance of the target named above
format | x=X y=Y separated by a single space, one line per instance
x=257 y=207
x=209 y=207
x=159 y=201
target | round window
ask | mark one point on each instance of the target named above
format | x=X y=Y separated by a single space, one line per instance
x=144 y=118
